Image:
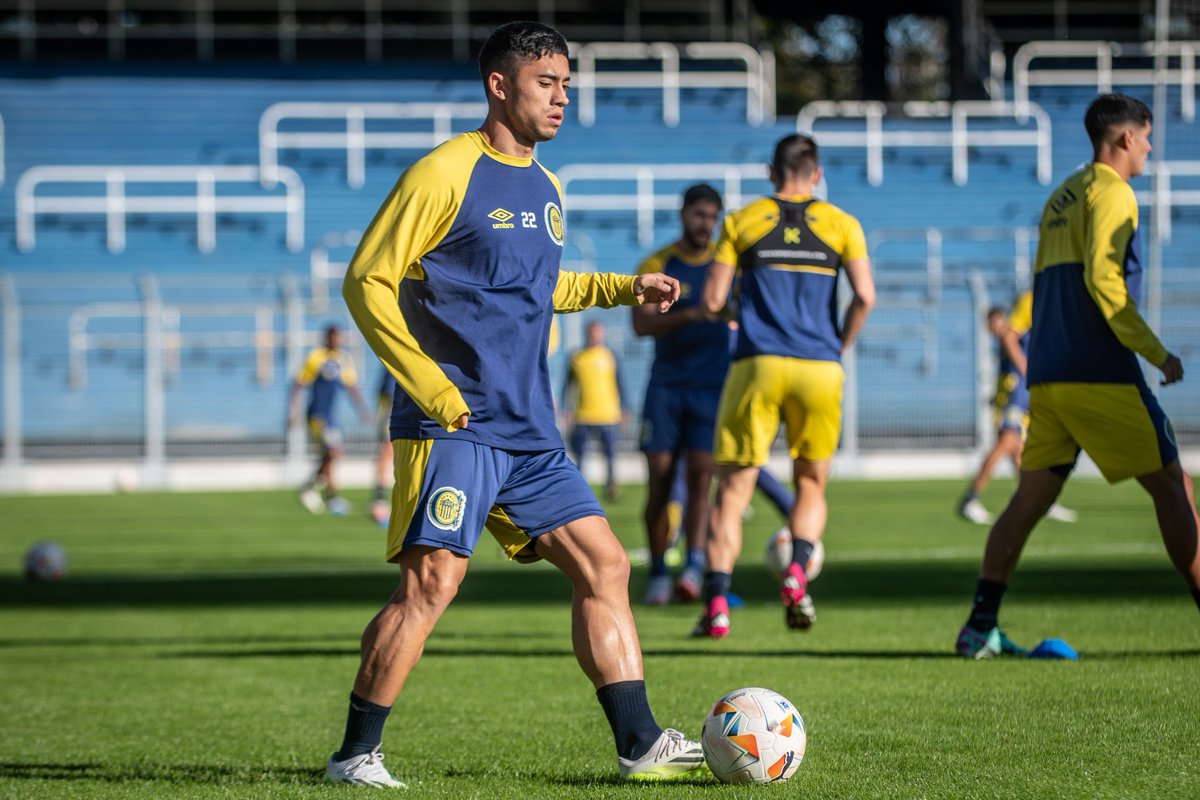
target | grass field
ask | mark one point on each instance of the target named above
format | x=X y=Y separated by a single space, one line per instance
x=203 y=646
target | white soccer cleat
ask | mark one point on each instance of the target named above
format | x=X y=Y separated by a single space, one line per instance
x=673 y=756
x=364 y=770
x=658 y=591
x=1062 y=514
x=974 y=511
x=310 y=498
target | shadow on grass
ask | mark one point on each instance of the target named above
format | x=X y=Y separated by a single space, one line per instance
x=351 y=638
x=173 y=773
x=492 y=585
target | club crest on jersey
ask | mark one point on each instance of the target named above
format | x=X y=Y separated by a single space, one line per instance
x=554 y=223
x=446 y=508
x=502 y=217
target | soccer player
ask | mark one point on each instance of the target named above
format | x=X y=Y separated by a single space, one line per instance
x=691 y=355
x=454 y=285
x=789 y=249
x=593 y=378
x=1011 y=403
x=326 y=371
x=1087 y=391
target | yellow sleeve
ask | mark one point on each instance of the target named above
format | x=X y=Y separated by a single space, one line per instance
x=413 y=219
x=855 y=245
x=1020 y=319
x=1113 y=220
x=727 y=252
x=576 y=291
x=349 y=374
x=312 y=365
x=653 y=263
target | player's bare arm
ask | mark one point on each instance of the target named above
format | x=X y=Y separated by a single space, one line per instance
x=649 y=321
x=858 y=272
x=716 y=287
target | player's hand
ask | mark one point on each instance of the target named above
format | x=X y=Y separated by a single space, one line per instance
x=461 y=422
x=1172 y=369
x=657 y=289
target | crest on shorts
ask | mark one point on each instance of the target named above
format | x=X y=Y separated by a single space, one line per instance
x=446 y=508
x=554 y=223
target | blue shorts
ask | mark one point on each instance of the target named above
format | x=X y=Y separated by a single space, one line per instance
x=448 y=490
x=675 y=419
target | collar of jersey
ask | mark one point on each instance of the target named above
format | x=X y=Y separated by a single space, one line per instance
x=1100 y=166
x=701 y=260
x=496 y=155
x=794 y=198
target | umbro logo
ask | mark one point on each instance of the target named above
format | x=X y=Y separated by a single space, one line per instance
x=502 y=217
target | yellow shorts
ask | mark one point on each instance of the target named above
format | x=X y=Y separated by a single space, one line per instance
x=1119 y=425
x=761 y=390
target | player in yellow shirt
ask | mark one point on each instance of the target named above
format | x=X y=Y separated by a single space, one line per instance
x=454 y=286
x=789 y=250
x=1087 y=391
x=326 y=371
x=1011 y=404
x=595 y=382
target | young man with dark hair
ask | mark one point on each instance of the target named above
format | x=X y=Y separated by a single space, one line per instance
x=454 y=286
x=1087 y=391
x=789 y=250
x=691 y=356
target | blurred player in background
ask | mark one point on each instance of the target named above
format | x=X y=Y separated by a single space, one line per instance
x=593 y=391
x=381 y=504
x=1087 y=391
x=454 y=285
x=326 y=371
x=1011 y=404
x=691 y=356
x=789 y=250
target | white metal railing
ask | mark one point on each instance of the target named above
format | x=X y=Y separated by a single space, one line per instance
x=1103 y=75
x=10 y=328
x=959 y=137
x=355 y=139
x=645 y=200
x=1022 y=238
x=1163 y=195
x=117 y=202
x=757 y=79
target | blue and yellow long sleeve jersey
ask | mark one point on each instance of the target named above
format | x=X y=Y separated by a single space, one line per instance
x=454 y=285
x=789 y=252
x=695 y=356
x=1087 y=283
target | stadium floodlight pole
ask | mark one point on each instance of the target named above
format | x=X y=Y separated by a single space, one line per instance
x=155 y=444
x=1162 y=210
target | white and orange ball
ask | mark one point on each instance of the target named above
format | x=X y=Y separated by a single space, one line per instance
x=779 y=554
x=753 y=736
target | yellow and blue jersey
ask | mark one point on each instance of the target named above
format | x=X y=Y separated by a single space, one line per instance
x=594 y=371
x=1011 y=386
x=454 y=286
x=789 y=253
x=1087 y=282
x=697 y=355
x=325 y=371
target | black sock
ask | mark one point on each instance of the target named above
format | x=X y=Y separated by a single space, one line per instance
x=628 y=712
x=802 y=550
x=986 y=607
x=364 y=728
x=1196 y=597
x=716 y=584
x=377 y=495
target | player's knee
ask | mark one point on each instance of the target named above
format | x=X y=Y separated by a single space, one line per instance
x=434 y=588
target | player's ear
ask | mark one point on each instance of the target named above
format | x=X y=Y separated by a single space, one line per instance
x=497 y=85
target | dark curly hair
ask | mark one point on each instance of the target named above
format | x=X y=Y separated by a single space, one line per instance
x=518 y=41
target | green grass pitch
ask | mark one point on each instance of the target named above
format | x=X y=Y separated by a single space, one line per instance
x=203 y=646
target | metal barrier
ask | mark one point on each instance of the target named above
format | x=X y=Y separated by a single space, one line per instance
x=355 y=139
x=1104 y=76
x=757 y=79
x=644 y=200
x=117 y=202
x=875 y=137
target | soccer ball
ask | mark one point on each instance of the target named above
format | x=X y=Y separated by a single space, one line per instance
x=779 y=554
x=753 y=736
x=45 y=561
